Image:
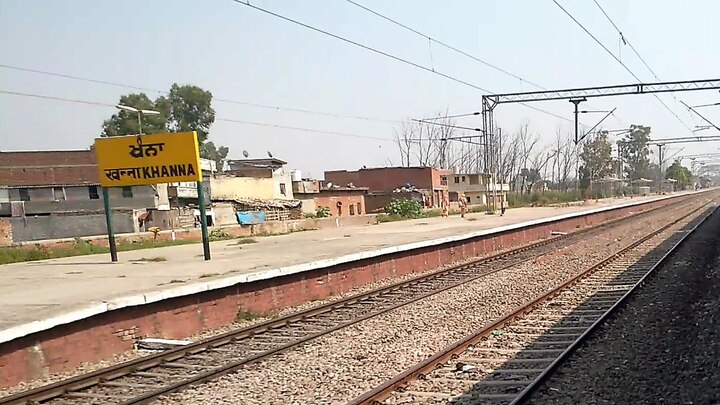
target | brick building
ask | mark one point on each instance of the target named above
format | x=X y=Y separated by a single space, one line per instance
x=341 y=201
x=57 y=194
x=431 y=182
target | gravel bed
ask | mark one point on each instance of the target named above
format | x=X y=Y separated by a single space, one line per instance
x=662 y=347
x=134 y=354
x=337 y=367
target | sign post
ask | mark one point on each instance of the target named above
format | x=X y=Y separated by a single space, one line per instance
x=203 y=220
x=108 y=221
x=136 y=160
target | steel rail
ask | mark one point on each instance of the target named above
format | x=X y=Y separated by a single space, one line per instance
x=61 y=388
x=381 y=392
x=535 y=384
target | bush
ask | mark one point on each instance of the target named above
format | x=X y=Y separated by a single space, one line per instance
x=219 y=234
x=322 y=212
x=540 y=199
x=404 y=208
x=310 y=215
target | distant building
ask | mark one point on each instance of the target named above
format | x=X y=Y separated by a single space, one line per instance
x=430 y=182
x=254 y=179
x=477 y=189
x=57 y=194
x=473 y=186
x=256 y=186
x=340 y=201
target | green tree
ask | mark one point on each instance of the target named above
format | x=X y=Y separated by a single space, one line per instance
x=208 y=150
x=190 y=110
x=679 y=173
x=635 y=152
x=126 y=122
x=185 y=108
x=597 y=160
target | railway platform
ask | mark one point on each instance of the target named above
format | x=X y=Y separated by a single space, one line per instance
x=171 y=292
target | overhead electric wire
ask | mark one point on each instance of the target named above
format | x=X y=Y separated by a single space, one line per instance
x=223 y=100
x=627 y=41
x=701 y=116
x=447 y=125
x=388 y=55
x=70 y=100
x=488 y=64
x=620 y=62
x=442 y=117
x=319 y=131
x=415 y=31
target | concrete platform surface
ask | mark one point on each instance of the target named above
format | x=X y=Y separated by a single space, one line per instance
x=35 y=296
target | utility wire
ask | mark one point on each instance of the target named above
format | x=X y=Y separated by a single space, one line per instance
x=70 y=100
x=635 y=51
x=452 y=48
x=388 y=55
x=620 y=62
x=319 y=131
x=223 y=100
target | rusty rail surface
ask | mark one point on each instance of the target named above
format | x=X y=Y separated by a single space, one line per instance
x=424 y=368
x=72 y=388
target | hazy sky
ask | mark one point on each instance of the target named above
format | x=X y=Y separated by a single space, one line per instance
x=241 y=54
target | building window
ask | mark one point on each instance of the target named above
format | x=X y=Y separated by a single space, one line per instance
x=24 y=194
x=352 y=209
x=468 y=199
x=282 y=189
x=457 y=179
x=58 y=193
x=359 y=208
x=339 y=209
x=463 y=179
x=93 y=193
x=127 y=192
x=443 y=180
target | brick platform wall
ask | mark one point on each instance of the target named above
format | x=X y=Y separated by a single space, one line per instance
x=66 y=347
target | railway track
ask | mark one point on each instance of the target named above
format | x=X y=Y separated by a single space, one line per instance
x=144 y=379
x=506 y=360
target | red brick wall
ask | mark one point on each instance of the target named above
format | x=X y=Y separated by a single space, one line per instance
x=99 y=337
x=5 y=233
x=48 y=168
x=47 y=158
x=330 y=199
x=384 y=178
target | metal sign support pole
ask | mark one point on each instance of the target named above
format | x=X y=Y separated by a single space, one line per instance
x=108 y=221
x=203 y=220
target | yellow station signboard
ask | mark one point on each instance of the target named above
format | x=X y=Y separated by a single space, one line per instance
x=148 y=159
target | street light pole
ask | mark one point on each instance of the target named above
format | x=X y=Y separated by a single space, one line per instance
x=139 y=113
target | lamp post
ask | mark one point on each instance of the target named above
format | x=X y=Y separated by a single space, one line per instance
x=576 y=102
x=139 y=113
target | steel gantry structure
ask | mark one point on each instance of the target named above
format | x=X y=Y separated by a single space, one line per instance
x=491 y=155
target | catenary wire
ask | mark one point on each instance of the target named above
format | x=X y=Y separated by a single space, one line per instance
x=446 y=45
x=620 y=62
x=441 y=43
x=388 y=55
x=635 y=51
